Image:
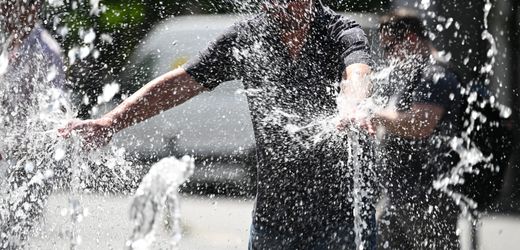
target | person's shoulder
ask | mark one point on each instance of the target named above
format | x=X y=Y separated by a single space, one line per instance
x=248 y=30
x=339 y=27
x=336 y=21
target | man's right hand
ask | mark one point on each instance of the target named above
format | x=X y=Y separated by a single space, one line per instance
x=162 y=93
x=95 y=133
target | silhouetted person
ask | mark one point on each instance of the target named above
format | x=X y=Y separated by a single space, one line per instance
x=421 y=118
x=291 y=58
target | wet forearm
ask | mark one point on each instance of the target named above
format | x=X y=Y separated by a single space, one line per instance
x=418 y=123
x=397 y=123
x=162 y=93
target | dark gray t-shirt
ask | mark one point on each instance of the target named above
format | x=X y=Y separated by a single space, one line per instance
x=413 y=164
x=299 y=184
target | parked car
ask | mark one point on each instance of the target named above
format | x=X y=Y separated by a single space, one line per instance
x=214 y=127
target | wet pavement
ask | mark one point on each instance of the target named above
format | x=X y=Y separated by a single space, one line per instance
x=208 y=223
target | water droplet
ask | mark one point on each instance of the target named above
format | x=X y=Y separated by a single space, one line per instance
x=29 y=167
x=59 y=154
x=89 y=37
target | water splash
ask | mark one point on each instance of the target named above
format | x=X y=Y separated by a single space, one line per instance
x=37 y=161
x=4 y=59
x=110 y=159
x=361 y=159
x=158 y=193
x=469 y=158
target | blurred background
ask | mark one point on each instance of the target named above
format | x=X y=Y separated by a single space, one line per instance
x=137 y=40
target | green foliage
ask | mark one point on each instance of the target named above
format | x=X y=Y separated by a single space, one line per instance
x=119 y=15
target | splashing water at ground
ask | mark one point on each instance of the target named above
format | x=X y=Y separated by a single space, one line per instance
x=36 y=161
x=158 y=193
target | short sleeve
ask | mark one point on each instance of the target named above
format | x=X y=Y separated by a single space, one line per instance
x=215 y=64
x=352 y=42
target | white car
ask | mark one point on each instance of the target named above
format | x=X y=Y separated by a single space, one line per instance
x=214 y=127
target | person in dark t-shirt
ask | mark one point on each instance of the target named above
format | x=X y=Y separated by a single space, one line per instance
x=292 y=57
x=421 y=118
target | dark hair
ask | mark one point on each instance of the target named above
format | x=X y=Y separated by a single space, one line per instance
x=402 y=22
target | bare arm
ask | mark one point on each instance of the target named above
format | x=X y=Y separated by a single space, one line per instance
x=162 y=93
x=417 y=123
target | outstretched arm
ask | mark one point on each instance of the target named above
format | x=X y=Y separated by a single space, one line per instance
x=162 y=93
x=417 y=123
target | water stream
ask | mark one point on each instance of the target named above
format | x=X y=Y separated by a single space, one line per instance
x=37 y=162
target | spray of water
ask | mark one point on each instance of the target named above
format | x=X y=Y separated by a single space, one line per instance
x=36 y=161
x=158 y=193
x=361 y=159
x=469 y=153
